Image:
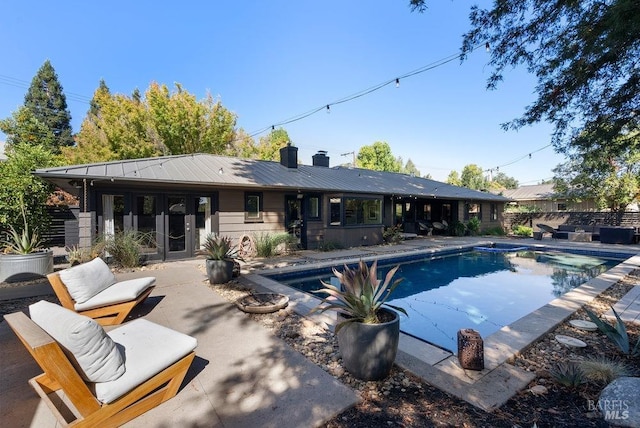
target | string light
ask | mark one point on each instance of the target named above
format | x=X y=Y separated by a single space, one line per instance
x=487 y=47
x=328 y=109
x=397 y=83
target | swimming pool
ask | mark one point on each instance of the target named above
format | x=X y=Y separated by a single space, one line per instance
x=483 y=290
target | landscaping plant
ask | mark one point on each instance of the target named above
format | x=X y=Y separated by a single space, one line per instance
x=361 y=294
x=617 y=333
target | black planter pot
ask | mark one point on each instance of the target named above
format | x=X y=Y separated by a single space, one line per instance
x=369 y=350
x=219 y=271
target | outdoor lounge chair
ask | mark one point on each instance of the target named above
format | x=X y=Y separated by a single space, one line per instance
x=91 y=289
x=547 y=229
x=97 y=379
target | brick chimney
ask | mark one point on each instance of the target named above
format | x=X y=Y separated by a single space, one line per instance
x=321 y=159
x=289 y=156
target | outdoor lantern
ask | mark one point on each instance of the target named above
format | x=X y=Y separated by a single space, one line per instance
x=470 y=349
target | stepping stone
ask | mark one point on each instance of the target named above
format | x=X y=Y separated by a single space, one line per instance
x=570 y=341
x=584 y=325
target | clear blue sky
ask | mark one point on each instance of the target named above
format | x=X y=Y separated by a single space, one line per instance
x=268 y=61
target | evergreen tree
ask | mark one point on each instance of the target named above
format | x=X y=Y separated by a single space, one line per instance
x=48 y=104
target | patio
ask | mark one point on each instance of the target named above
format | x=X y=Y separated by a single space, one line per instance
x=242 y=375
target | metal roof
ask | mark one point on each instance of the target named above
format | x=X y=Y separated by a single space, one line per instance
x=531 y=193
x=223 y=171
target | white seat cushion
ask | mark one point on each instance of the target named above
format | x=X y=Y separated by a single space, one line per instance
x=84 y=341
x=148 y=349
x=88 y=279
x=119 y=292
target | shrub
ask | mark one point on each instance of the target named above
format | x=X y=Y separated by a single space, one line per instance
x=473 y=225
x=520 y=230
x=495 y=231
x=602 y=370
x=267 y=243
x=124 y=248
x=459 y=228
x=392 y=234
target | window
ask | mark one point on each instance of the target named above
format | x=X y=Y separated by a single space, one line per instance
x=494 y=212
x=336 y=209
x=562 y=207
x=313 y=212
x=472 y=210
x=360 y=211
x=426 y=212
x=252 y=207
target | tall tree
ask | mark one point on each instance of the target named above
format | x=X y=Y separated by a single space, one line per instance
x=411 y=169
x=611 y=178
x=186 y=125
x=473 y=177
x=94 y=106
x=504 y=181
x=268 y=147
x=46 y=100
x=454 y=178
x=23 y=127
x=584 y=55
x=378 y=157
x=161 y=123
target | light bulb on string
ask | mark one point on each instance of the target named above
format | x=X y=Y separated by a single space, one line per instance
x=529 y=155
x=397 y=83
x=487 y=47
x=328 y=109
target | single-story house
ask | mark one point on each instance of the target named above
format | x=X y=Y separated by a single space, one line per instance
x=545 y=199
x=179 y=199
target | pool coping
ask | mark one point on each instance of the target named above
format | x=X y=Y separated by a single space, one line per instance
x=491 y=387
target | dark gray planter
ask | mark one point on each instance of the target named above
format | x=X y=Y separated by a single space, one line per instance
x=369 y=350
x=23 y=267
x=219 y=271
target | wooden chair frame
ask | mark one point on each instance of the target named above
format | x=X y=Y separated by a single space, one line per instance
x=105 y=315
x=60 y=374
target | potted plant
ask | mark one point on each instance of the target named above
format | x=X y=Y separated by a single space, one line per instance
x=22 y=254
x=368 y=331
x=221 y=255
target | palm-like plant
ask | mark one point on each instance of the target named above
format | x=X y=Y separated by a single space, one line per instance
x=361 y=294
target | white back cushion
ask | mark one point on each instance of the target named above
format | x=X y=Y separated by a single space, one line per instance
x=84 y=341
x=88 y=279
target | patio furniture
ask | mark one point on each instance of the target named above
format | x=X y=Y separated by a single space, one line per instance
x=92 y=378
x=426 y=227
x=617 y=235
x=547 y=229
x=91 y=289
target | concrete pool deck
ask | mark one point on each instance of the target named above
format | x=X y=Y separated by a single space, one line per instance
x=499 y=381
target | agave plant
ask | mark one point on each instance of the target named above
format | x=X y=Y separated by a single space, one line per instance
x=216 y=247
x=617 y=333
x=567 y=373
x=23 y=242
x=361 y=294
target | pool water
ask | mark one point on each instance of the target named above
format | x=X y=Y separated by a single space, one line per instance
x=482 y=290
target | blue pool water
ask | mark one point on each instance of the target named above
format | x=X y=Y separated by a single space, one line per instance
x=482 y=290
